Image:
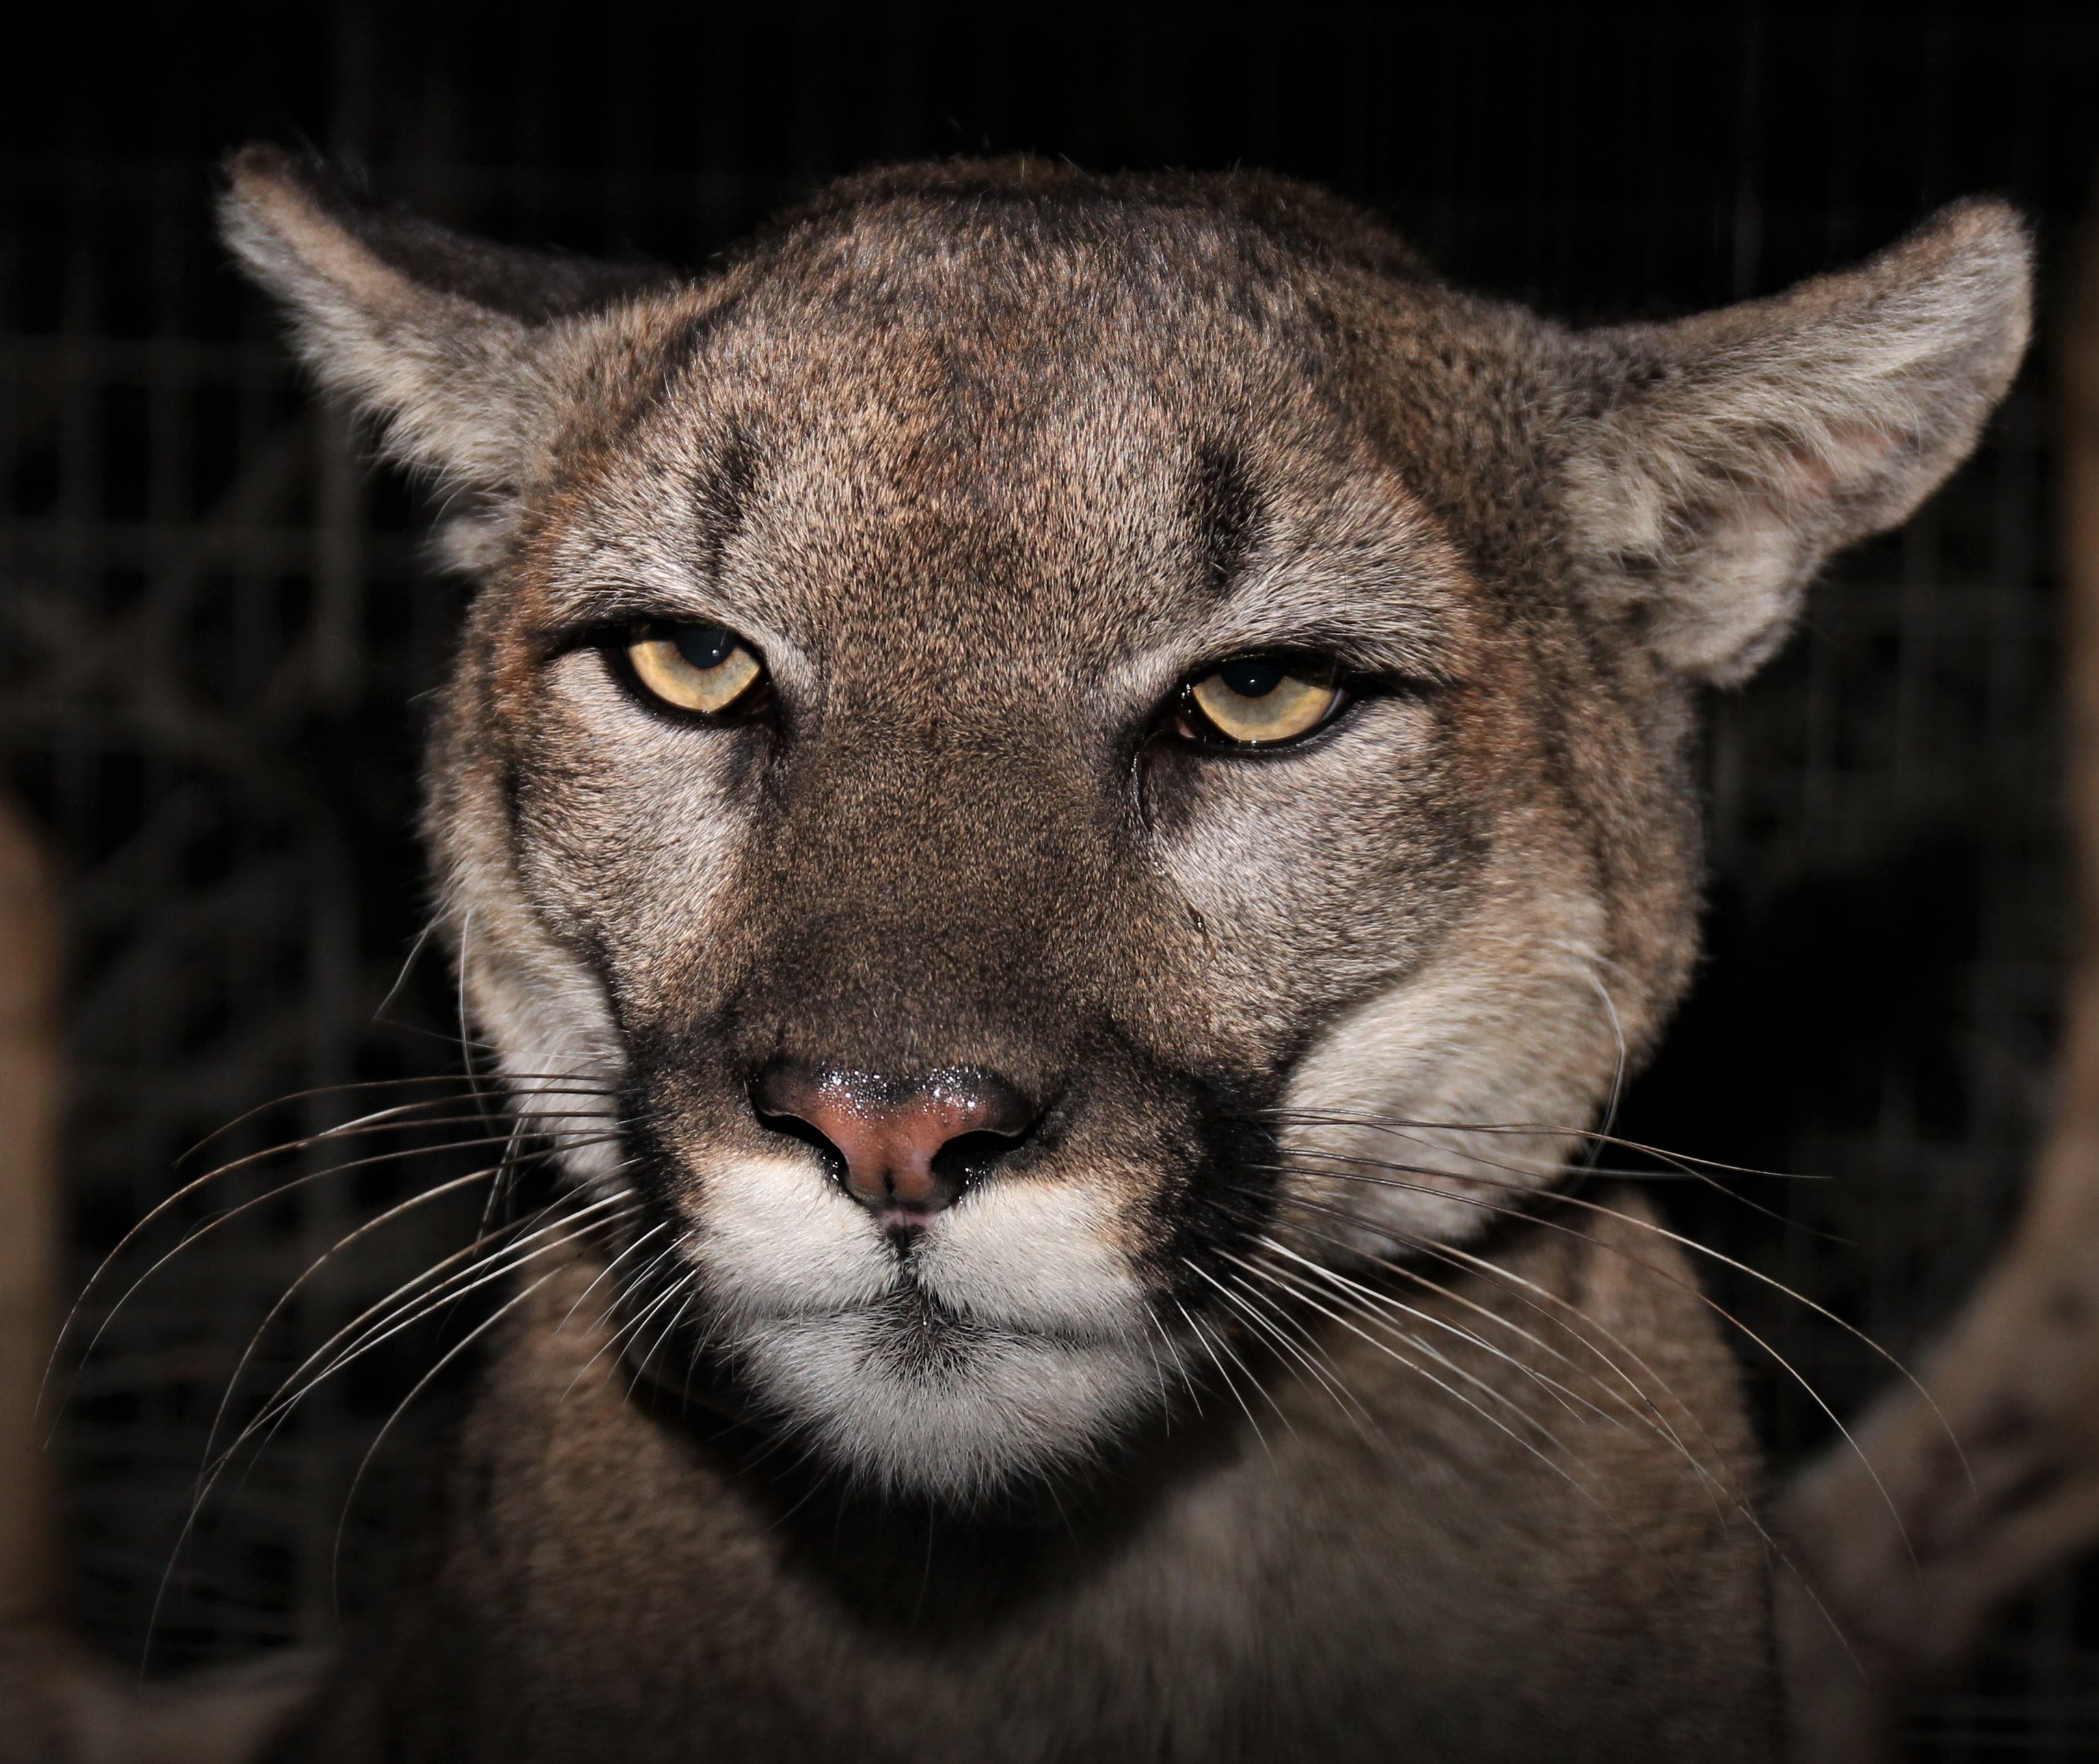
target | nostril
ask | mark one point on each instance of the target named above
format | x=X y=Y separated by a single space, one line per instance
x=792 y=1126
x=969 y=1157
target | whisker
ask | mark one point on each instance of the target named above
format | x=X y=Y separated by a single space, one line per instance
x=283 y=1299
x=188 y=1189
x=1458 y=1396
x=1159 y=1371
x=576 y=1085
x=1266 y=1331
x=1486 y=1314
x=409 y=1310
x=1563 y=1198
x=605 y=1272
x=692 y=1292
x=1536 y=1129
x=1718 y=1489
x=401 y=1408
x=1648 y=1413
x=1368 y=1302
x=632 y=1325
x=1681 y=1168
x=1578 y=1326
x=1203 y=1337
x=1420 y=1346
x=286 y=1397
x=1727 y=1261
x=191 y=1238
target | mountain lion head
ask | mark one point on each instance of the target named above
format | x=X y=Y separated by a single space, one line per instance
x=1028 y=737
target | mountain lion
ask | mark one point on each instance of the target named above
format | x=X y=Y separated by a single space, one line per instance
x=1065 y=801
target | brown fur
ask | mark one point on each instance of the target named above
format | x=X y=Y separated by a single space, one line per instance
x=982 y=459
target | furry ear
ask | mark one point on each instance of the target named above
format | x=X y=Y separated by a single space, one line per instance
x=1722 y=458
x=444 y=339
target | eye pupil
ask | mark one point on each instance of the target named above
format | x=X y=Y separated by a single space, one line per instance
x=1254 y=677
x=705 y=647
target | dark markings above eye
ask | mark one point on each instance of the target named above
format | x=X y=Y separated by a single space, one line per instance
x=1225 y=509
x=706 y=670
x=1260 y=701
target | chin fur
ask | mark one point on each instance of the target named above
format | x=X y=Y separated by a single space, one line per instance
x=901 y=1401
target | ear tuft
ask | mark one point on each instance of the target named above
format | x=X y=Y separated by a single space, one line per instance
x=1721 y=459
x=441 y=338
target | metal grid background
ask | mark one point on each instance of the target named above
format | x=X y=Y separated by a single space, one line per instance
x=214 y=624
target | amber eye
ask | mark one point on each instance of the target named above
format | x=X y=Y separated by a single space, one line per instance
x=707 y=669
x=1260 y=701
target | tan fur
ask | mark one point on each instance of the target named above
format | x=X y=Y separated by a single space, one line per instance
x=1256 y=1400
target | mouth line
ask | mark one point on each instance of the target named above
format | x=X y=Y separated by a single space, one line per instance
x=912 y=1311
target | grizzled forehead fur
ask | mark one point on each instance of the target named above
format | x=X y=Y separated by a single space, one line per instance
x=973 y=309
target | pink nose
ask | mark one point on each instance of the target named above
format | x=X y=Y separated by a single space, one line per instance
x=890 y=1134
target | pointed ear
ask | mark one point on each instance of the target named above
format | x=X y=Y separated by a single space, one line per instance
x=444 y=340
x=1721 y=459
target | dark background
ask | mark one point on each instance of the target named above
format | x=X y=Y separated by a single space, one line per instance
x=215 y=623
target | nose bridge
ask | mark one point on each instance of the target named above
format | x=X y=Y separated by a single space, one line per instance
x=920 y=889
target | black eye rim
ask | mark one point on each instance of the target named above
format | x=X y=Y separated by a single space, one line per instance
x=1187 y=725
x=754 y=704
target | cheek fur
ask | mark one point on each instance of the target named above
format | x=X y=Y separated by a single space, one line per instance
x=1314 y=873
x=1430 y=1111
x=619 y=809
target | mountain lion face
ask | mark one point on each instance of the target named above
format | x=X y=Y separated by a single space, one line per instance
x=1033 y=737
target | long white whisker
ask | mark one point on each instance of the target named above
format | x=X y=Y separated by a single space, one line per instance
x=403 y=1316
x=1719 y=1310
x=283 y=1299
x=401 y=1408
x=1201 y=1337
x=1272 y=1330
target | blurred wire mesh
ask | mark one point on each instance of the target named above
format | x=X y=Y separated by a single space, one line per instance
x=215 y=624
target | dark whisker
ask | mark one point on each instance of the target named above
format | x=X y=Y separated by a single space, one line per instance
x=1536 y=1129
